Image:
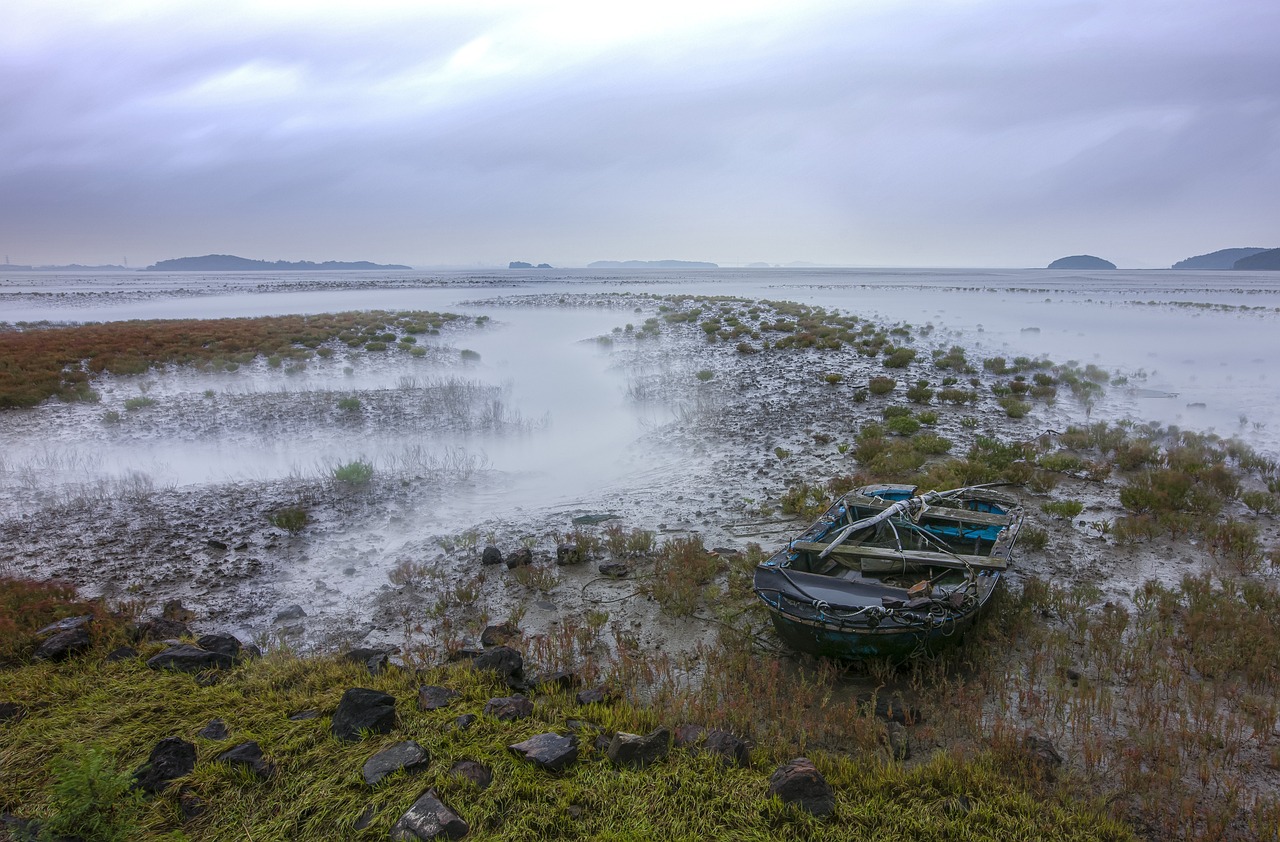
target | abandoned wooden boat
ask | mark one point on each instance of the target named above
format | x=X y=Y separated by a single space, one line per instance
x=887 y=572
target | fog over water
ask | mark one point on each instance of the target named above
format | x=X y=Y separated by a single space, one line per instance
x=1197 y=348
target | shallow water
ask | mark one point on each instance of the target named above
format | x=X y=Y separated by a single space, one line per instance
x=1198 y=346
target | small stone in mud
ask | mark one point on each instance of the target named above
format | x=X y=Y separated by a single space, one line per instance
x=522 y=557
x=491 y=555
x=290 y=612
x=348 y=571
x=498 y=633
x=567 y=554
x=174 y=610
x=614 y=569
x=215 y=544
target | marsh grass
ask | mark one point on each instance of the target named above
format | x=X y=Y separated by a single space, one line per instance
x=44 y=361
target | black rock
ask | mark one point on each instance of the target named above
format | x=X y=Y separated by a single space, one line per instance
x=304 y=715
x=428 y=818
x=173 y=609
x=191 y=806
x=596 y=695
x=215 y=730
x=522 y=557
x=121 y=653
x=465 y=721
x=633 y=751
x=215 y=544
x=549 y=751
x=375 y=660
x=503 y=660
x=567 y=554
x=614 y=569
x=472 y=770
x=366 y=817
x=63 y=645
x=497 y=634
x=250 y=756
x=509 y=708
x=800 y=783
x=361 y=710
x=187 y=658
x=224 y=644
x=434 y=698
x=290 y=612
x=1044 y=754
x=490 y=556
x=11 y=711
x=730 y=748
x=407 y=756
x=172 y=758
x=161 y=628
x=561 y=680
x=64 y=625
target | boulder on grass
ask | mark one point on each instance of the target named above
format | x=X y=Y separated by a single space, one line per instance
x=63 y=645
x=187 y=658
x=505 y=661
x=433 y=698
x=728 y=747
x=172 y=758
x=248 y=755
x=799 y=782
x=363 y=710
x=491 y=555
x=407 y=756
x=632 y=751
x=428 y=818
x=548 y=751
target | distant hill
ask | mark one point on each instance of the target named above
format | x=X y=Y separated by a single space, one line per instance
x=651 y=264
x=1081 y=261
x=1220 y=259
x=520 y=264
x=1269 y=259
x=231 y=263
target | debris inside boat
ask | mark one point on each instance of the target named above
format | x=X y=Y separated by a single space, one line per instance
x=890 y=572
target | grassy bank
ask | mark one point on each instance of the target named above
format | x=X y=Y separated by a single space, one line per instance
x=88 y=721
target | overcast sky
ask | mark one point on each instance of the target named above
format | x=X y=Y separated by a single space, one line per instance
x=881 y=132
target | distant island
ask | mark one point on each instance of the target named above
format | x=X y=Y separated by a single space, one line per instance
x=1269 y=259
x=652 y=264
x=1081 y=261
x=1220 y=259
x=231 y=263
x=68 y=267
x=520 y=264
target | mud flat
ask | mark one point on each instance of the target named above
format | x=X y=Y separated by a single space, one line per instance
x=1143 y=541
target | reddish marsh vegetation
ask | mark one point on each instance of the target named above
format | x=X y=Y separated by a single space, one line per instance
x=43 y=362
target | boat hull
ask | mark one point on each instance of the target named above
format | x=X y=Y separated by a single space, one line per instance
x=852 y=587
x=845 y=642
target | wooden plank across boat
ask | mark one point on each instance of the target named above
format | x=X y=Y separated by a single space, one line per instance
x=887 y=571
